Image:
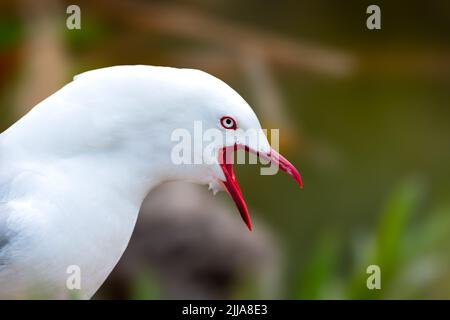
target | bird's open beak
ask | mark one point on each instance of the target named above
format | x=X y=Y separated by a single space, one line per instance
x=231 y=183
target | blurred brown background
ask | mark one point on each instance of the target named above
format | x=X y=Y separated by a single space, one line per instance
x=363 y=114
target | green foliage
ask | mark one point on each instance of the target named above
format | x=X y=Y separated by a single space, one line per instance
x=394 y=219
x=384 y=249
x=319 y=271
x=411 y=253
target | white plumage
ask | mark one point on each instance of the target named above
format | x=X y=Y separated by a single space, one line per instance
x=75 y=170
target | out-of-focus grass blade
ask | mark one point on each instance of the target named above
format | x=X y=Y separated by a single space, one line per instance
x=394 y=219
x=385 y=249
x=432 y=234
x=319 y=273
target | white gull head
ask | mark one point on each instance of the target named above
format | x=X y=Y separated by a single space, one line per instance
x=78 y=166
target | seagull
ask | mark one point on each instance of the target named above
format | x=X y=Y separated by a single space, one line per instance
x=75 y=170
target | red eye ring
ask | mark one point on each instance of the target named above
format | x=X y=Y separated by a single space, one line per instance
x=228 y=123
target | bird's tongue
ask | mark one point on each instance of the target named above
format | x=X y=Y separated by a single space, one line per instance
x=231 y=183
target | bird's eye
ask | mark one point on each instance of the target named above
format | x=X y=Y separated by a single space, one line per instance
x=228 y=123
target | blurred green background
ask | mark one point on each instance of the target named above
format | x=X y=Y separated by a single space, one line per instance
x=363 y=114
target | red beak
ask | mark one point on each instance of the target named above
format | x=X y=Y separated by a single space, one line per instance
x=231 y=184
